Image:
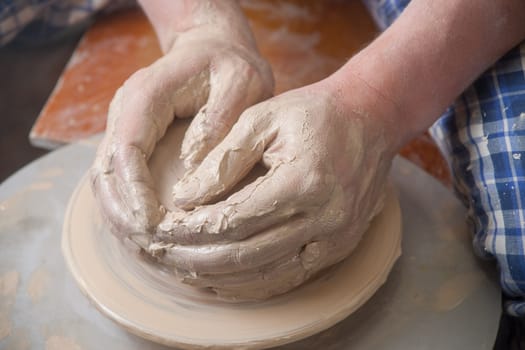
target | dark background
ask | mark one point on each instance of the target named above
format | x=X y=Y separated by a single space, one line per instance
x=28 y=74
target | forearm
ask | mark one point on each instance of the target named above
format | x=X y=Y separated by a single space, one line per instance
x=171 y=18
x=432 y=53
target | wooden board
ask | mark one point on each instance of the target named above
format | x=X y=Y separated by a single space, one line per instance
x=303 y=41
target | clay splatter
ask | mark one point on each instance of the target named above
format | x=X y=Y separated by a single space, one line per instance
x=19 y=339
x=40 y=186
x=52 y=172
x=8 y=287
x=37 y=284
x=56 y=342
x=452 y=293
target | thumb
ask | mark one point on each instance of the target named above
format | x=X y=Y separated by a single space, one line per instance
x=225 y=165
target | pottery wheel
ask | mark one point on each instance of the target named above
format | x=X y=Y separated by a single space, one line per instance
x=438 y=295
x=151 y=303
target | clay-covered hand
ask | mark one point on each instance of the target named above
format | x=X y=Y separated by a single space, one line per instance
x=204 y=75
x=327 y=162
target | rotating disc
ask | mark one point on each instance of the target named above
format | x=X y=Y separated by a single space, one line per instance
x=151 y=303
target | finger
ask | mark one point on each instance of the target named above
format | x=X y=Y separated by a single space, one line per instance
x=270 y=200
x=311 y=257
x=147 y=103
x=251 y=253
x=120 y=179
x=269 y=272
x=255 y=285
x=138 y=117
x=128 y=211
x=231 y=92
x=273 y=279
x=226 y=164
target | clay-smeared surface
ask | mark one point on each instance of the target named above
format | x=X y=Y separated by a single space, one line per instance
x=8 y=287
x=57 y=342
x=19 y=339
x=154 y=304
x=455 y=290
x=38 y=282
x=399 y=316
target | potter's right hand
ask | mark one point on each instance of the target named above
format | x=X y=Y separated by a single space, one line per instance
x=212 y=71
x=327 y=155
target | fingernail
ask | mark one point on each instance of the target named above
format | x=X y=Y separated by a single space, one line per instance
x=194 y=140
x=185 y=192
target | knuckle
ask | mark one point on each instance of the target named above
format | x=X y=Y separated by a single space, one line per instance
x=260 y=84
x=253 y=119
x=248 y=70
x=140 y=83
x=115 y=107
x=139 y=77
x=315 y=184
x=216 y=124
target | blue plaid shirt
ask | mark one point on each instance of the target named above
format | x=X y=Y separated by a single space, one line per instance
x=43 y=19
x=482 y=135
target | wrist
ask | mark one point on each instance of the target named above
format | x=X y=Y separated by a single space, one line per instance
x=356 y=97
x=405 y=79
x=431 y=53
x=177 y=19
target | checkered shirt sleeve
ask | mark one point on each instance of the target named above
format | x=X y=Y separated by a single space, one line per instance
x=482 y=135
x=16 y=15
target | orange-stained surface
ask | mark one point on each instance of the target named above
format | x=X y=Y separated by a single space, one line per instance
x=109 y=52
x=303 y=40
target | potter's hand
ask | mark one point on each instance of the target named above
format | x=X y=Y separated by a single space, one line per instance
x=210 y=71
x=327 y=166
x=327 y=158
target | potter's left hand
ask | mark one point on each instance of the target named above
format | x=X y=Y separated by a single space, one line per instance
x=211 y=71
x=327 y=162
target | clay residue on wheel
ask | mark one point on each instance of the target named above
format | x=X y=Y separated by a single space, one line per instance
x=37 y=284
x=57 y=342
x=151 y=303
x=8 y=287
